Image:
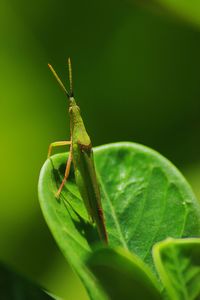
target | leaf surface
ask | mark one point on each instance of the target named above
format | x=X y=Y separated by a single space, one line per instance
x=145 y=200
x=123 y=275
x=178 y=264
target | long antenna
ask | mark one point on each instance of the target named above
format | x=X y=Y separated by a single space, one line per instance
x=59 y=81
x=70 y=77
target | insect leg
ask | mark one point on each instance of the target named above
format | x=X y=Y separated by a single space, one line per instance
x=66 y=172
x=56 y=144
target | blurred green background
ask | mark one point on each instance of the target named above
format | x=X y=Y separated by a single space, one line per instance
x=136 y=77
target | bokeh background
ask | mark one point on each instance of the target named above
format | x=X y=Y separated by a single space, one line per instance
x=136 y=70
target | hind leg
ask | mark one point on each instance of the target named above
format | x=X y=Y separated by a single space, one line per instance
x=67 y=169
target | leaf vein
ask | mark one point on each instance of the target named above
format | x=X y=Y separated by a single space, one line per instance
x=161 y=219
x=113 y=213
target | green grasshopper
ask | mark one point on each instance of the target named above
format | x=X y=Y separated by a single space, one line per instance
x=81 y=155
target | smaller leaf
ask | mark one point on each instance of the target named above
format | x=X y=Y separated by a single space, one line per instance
x=178 y=264
x=15 y=287
x=123 y=275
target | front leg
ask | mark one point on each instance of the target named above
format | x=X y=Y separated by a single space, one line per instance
x=57 y=144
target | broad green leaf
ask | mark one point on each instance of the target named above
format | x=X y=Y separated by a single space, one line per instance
x=144 y=197
x=15 y=287
x=123 y=275
x=178 y=264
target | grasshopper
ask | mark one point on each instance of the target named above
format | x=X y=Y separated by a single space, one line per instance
x=81 y=155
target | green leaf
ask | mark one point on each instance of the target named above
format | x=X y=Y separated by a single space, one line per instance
x=178 y=264
x=123 y=275
x=15 y=287
x=144 y=197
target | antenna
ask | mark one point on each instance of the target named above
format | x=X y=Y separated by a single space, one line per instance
x=70 y=77
x=59 y=81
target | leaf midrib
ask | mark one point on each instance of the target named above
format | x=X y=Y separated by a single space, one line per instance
x=113 y=213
